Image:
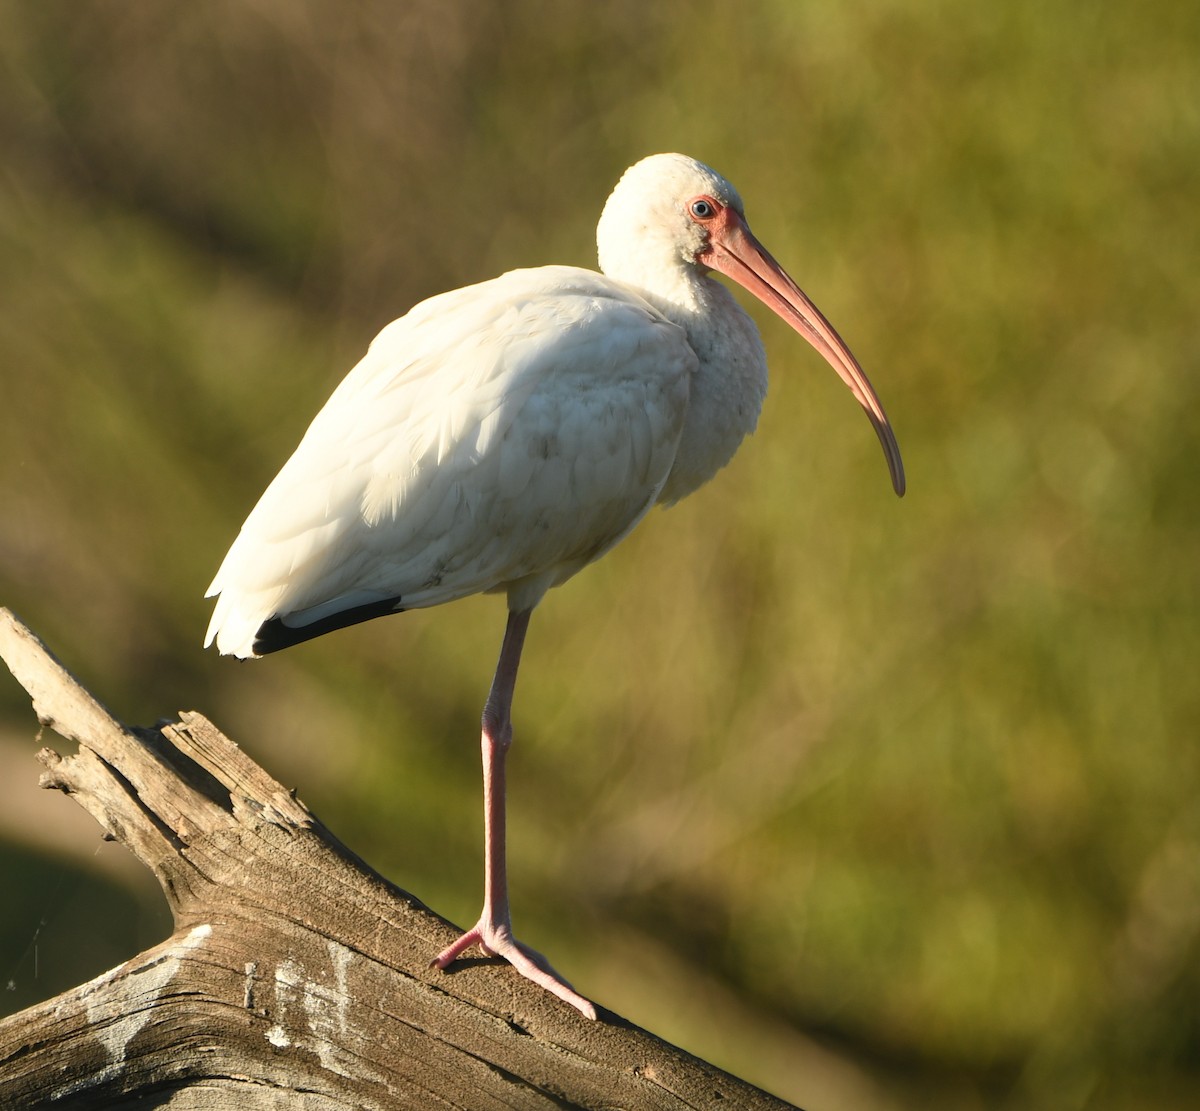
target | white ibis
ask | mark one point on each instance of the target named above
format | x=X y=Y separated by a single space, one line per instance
x=501 y=437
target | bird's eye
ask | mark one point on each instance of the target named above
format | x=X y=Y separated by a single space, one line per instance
x=702 y=208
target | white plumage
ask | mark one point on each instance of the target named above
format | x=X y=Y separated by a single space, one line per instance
x=499 y=437
x=503 y=436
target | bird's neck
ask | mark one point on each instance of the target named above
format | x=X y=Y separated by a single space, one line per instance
x=728 y=385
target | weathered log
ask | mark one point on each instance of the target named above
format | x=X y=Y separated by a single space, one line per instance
x=296 y=976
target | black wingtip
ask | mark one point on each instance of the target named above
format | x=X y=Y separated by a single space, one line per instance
x=274 y=635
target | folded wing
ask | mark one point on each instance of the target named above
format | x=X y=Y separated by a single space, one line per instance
x=497 y=438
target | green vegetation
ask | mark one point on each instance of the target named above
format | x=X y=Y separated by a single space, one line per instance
x=879 y=804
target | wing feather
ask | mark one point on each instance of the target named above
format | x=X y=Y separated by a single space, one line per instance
x=496 y=438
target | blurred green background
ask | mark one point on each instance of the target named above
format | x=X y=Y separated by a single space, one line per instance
x=879 y=804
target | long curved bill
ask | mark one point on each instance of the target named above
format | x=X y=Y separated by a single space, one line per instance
x=735 y=252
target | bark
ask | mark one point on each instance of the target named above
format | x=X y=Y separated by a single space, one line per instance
x=296 y=976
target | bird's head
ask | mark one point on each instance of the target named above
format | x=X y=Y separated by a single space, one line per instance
x=670 y=215
x=657 y=218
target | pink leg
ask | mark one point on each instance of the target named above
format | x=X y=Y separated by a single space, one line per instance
x=493 y=932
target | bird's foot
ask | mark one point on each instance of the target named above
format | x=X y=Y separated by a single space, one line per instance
x=497 y=941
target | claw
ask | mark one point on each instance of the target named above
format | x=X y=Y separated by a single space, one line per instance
x=499 y=942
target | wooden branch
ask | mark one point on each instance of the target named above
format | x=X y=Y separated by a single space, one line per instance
x=296 y=976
